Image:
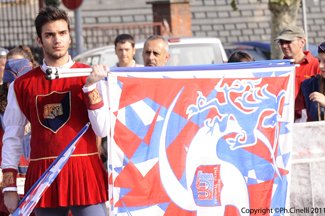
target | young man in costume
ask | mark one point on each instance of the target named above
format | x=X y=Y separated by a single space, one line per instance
x=57 y=110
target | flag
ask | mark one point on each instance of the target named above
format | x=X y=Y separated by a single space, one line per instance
x=28 y=203
x=201 y=140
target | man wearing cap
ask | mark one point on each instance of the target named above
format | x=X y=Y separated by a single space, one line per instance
x=292 y=40
x=3 y=59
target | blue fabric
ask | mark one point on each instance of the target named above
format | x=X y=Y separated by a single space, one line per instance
x=222 y=66
x=309 y=86
x=15 y=68
x=1 y=121
x=321 y=47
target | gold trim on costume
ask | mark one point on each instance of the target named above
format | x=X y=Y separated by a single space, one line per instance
x=69 y=93
x=8 y=179
x=74 y=155
x=94 y=97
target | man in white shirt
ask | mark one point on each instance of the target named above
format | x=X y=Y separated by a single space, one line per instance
x=125 y=50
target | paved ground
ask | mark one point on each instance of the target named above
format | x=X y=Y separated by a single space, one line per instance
x=308 y=168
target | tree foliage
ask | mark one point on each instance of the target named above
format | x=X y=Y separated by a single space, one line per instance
x=280 y=2
x=54 y=3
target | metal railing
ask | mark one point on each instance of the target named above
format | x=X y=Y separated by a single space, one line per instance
x=98 y=36
x=17 y=24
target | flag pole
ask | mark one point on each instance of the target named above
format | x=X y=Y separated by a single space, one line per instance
x=28 y=203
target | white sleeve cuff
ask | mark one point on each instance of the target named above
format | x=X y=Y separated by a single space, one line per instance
x=89 y=88
x=9 y=189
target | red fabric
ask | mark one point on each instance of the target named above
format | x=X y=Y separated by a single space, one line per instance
x=3 y=208
x=308 y=67
x=83 y=180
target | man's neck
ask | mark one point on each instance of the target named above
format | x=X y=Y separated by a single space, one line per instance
x=129 y=64
x=299 y=58
x=56 y=62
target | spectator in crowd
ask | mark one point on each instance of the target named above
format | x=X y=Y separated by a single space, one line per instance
x=3 y=59
x=155 y=51
x=13 y=69
x=240 y=56
x=20 y=52
x=292 y=41
x=125 y=50
x=57 y=111
x=313 y=90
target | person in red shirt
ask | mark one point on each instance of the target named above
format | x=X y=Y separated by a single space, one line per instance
x=292 y=40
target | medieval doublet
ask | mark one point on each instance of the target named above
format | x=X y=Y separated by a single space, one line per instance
x=57 y=112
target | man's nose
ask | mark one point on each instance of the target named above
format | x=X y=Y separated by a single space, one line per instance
x=284 y=45
x=56 y=38
x=151 y=55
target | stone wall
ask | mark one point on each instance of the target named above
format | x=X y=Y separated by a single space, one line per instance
x=215 y=18
x=251 y=22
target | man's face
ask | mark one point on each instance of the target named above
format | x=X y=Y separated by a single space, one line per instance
x=125 y=53
x=2 y=67
x=55 y=40
x=154 y=53
x=291 y=48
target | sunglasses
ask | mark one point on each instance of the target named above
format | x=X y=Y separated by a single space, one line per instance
x=281 y=42
x=3 y=52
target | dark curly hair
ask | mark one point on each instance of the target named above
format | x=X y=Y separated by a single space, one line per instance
x=49 y=14
x=3 y=97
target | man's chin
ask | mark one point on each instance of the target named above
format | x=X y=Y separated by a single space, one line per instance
x=150 y=65
x=57 y=55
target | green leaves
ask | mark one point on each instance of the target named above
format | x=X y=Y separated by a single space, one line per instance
x=54 y=3
x=280 y=2
x=234 y=5
x=283 y=2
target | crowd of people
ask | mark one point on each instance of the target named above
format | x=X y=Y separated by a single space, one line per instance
x=37 y=114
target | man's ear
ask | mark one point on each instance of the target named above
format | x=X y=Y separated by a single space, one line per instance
x=303 y=42
x=39 y=41
x=167 y=58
